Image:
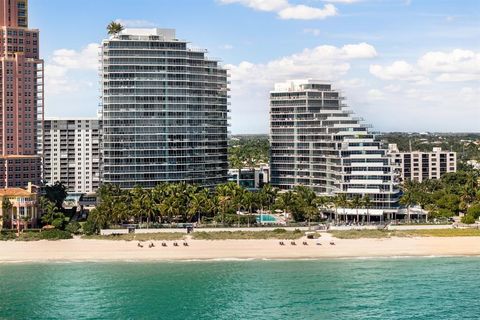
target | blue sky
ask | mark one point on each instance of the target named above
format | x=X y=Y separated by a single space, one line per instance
x=403 y=65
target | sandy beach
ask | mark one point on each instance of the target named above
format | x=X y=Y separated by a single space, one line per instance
x=106 y=250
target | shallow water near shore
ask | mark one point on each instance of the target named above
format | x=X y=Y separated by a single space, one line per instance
x=403 y=288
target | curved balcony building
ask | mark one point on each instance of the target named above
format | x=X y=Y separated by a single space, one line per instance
x=164 y=111
x=316 y=141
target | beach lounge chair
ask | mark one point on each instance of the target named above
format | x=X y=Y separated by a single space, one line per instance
x=185 y=244
x=305 y=243
x=175 y=244
x=164 y=244
x=332 y=243
x=293 y=243
x=139 y=245
x=318 y=243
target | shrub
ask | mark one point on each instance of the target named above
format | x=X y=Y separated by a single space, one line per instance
x=444 y=213
x=279 y=230
x=233 y=219
x=90 y=228
x=468 y=219
x=474 y=211
x=7 y=235
x=55 y=234
x=73 y=227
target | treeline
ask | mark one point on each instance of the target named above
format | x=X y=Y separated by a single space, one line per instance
x=177 y=202
x=248 y=151
x=463 y=144
x=454 y=193
x=181 y=202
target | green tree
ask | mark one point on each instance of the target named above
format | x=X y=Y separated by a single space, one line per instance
x=56 y=193
x=114 y=28
x=342 y=202
x=50 y=213
x=356 y=203
x=409 y=196
x=286 y=201
x=268 y=195
x=6 y=211
x=367 y=204
x=307 y=202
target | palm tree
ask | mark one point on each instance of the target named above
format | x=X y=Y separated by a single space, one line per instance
x=410 y=194
x=342 y=201
x=137 y=207
x=469 y=190
x=307 y=202
x=249 y=201
x=225 y=199
x=336 y=204
x=6 y=208
x=408 y=200
x=356 y=203
x=268 y=194
x=367 y=204
x=197 y=203
x=286 y=201
x=322 y=202
x=114 y=28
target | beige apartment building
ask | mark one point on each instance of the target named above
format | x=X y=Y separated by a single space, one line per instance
x=419 y=165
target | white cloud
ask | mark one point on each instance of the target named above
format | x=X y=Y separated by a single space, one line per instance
x=87 y=58
x=342 y=1
x=327 y=62
x=286 y=10
x=375 y=94
x=261 y=5
x=62 y=67
x=399 y=70
x=251 y=82
x=136 y=23
x=314 y=32
x=302 y=12
x=226 y=47
x=456 y=65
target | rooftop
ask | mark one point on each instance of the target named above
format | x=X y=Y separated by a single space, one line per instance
x=167 y=34
x=14 y=192
x=296 y=84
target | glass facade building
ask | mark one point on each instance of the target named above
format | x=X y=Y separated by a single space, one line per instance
x=164 y=111
x=316 y=141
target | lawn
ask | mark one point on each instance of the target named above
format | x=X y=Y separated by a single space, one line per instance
x=378 y=234
x=246 y=235
x=140 y=237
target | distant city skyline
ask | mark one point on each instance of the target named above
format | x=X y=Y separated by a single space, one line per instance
x=404 y=65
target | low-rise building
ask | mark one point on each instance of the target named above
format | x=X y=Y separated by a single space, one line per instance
x=19 y=207
x=419 y=165
x=250 y=178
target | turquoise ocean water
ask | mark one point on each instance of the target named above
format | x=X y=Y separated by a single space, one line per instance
x=403 y=288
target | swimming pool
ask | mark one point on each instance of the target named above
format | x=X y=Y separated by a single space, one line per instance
x=266 y=218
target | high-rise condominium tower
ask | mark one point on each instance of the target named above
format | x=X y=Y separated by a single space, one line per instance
x=164 y=111
x=21 y=96
x=317 y=142
x=71 y=153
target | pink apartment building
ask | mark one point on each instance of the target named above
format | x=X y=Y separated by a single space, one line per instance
x=21 y=97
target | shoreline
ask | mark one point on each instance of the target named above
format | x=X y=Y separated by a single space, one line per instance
x=85 y=250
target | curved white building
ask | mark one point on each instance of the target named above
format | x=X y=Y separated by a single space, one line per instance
x=317 y=142
x=164 y=111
